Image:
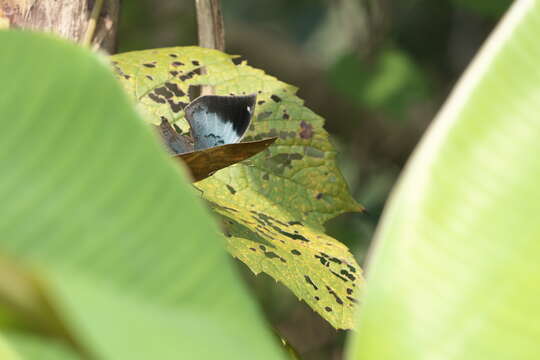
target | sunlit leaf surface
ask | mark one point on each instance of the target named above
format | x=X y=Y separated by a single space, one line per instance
x=299 y=172
x=295 y=185
x=126 y=256
x=32 y=347
x=455 y=271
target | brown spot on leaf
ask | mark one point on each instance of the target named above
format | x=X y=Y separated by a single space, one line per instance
x=323 y=261
x=296 y=252
x=177 y=63
x=149 y=77
x=333 y=293
x=195 y=62
x=156 y=98
x=339 y=276
x=264 y=115
x=328 y=308
x=308 y=280
x=348 y=275
x=273 y=255
x=231 y=189
x=188 y=75
x=150 y=65
x=319 y=196
x=175 y=89
x=162 y=91
x=306 y=131
x=275 y=98
x=176 y=107
x=283 y=161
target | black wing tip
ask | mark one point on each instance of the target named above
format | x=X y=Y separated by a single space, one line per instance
x=247 y=100
x=237 y=109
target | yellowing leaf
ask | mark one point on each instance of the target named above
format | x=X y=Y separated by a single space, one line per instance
x=283 y=194
x=299 y=171
x=317 y=268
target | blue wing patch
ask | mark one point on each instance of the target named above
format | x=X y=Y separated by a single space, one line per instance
x=219 y=120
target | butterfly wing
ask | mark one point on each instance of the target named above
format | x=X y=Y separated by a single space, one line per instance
x=219 y=120
x=205 y=162
x=176 y=143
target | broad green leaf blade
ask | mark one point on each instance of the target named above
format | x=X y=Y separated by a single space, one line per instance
x=127 y=257
x=7 y=351
x=32 y=347
x=454 y=274
x=299 y=172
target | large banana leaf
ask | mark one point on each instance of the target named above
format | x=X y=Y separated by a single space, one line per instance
x=455 y=271
x=32 y=346
x=103 y=242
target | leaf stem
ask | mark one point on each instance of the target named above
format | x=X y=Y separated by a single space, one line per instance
x=210 y=24
x=92 y=23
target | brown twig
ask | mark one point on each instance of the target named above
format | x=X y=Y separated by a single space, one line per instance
x=210 y=24
x=92 y=23
x=211 y=31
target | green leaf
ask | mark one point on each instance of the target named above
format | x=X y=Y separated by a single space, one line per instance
x=391 y=82
x=317 y=268
x=299 y=172
x=6 y=350
x=32 y=347
x=454 y=273
x=124 y=256
x=281 y=194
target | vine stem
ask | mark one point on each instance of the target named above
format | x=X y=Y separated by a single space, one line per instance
x=210 y=29
x=210 y=24
x=92 y=23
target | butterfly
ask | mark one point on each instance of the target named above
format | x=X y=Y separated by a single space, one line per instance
x=218 y=124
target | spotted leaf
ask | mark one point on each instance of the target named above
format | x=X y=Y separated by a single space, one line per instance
x=282 y=195
x=318 y=269
x=298 y=172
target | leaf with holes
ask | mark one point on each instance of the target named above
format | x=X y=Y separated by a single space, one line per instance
x=299 y=172
x=296 y=180
x=317 y=268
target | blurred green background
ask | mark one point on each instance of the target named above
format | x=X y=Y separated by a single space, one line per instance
x=376 y=70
